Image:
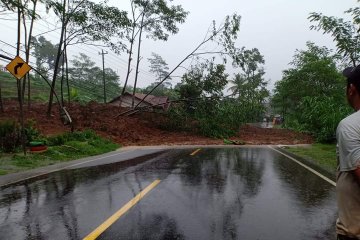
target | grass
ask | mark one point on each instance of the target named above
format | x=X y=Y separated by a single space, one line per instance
x=40 y=90
x=323 y=155
x=66 y=147
x=39 y=87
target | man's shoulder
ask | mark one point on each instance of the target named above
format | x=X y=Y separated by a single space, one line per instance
x=352 y=120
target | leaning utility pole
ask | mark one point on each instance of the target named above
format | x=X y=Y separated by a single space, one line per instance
x=103 y=62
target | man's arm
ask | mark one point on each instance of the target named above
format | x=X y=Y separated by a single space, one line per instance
x=357 y=174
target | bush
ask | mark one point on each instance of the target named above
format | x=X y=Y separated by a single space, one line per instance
x=319 y=116
x=210 y=127
x=209 y=117
x=55 y=140
x=10 y=136
x=31 y=133
x=84 y=136
x=178 y=118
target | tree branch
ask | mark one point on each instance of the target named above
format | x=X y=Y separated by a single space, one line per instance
x=174 y=69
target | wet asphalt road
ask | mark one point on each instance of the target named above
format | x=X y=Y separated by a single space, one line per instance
x=241 y=193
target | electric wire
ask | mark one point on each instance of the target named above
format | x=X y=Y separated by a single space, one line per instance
x=93 y=52
x=109 y=92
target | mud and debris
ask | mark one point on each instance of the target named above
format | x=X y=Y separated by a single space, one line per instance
x=142 y=129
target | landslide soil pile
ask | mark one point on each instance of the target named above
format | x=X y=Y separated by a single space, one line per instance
x=139 y=129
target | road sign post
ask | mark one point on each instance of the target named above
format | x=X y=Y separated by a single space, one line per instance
x=19 y=68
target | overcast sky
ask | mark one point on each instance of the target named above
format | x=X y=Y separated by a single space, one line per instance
x=277 y=28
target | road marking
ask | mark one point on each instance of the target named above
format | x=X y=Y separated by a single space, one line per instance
x=307 y=167
x=195 y=152
x=99 y=230
x=60 y=169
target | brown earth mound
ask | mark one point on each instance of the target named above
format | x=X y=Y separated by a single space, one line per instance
x=260 y=136
x=139 y=129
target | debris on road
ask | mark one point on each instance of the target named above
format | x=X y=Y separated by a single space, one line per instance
x=141 y=129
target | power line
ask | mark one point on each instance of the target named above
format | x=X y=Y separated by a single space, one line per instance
x=32 y=63
x=49 y=31
x=76 y=46
x=50 y=75
x=113 y=56
x=88 y=90
x=8 y=19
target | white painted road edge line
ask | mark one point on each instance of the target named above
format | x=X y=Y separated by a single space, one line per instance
x=63 y=168
x=303 y=165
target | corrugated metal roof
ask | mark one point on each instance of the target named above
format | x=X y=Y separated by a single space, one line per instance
x=159 y=101
x=153 y=100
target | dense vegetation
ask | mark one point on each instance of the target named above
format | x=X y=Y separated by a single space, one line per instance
x=217 y=115
x=311 y=94
x=310 y=91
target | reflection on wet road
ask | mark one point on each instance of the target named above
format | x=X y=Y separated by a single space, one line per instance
x=242 y=193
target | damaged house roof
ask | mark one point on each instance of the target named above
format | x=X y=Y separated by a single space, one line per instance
x=155 y=101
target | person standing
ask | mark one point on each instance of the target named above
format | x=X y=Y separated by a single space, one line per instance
x=348 y=156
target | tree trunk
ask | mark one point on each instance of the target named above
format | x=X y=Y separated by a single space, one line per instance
x=1 y=102
x=175 y=68
x=19 y=82
x=67 y=73
x=27 y=41
x=62 y=83
x=56 y=67
x=129 y=62
x=28 y=49
x=66 y=58
x=138 y=60
x=131 y=50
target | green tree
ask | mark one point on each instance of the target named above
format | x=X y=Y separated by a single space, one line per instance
x=250 y=85
x=11 y=5
x=86 y=77
x=162 y=90
x=202 y=89
x=345 y=33
x=155 y=18
x=191 y=86
x=88 y=23
x=28 y=32
x=224 y=35
x=45 y=54
x=238 y=85
x=204 y=80
x=158 y=66
x=314 y=73
x=311 y=84
x=319 y=117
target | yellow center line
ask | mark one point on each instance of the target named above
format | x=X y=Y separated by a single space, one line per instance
x=99 y=230
x=195 y=152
